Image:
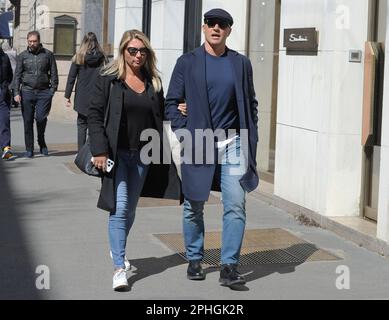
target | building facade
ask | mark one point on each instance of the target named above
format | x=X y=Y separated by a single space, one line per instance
x=323 y=143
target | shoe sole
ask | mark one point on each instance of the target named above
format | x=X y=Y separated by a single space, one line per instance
x=196 y=278
x=121 y=287
x=227 y=283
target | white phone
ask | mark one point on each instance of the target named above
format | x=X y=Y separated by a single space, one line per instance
x=109 y=165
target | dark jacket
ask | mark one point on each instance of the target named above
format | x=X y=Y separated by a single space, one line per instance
x=188 y=82
x=85 y=75
x=36 y=70
x=6 y=75
x=162 y=180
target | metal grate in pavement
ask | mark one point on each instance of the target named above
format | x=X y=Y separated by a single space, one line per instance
x=260 y=246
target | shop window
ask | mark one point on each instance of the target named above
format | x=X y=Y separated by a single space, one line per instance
x=65 y=33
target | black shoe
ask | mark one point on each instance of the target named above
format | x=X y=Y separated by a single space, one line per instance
x=44 y=151
x=195 y=271
x=29 y=154
x=229 y=275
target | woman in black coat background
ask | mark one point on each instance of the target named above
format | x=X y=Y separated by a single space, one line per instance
x=129 y=93
x=84 y=69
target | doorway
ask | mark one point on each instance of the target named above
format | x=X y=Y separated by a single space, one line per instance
x=374 y=77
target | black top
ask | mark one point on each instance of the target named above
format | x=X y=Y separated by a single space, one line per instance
x=221 y=92
x=86 y=77
x=137 y=115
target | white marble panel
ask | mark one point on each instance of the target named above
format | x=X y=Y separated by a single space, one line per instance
x=166 y=61
x=238 y=10
x=321 y=93
x=342 y=24
x=383 y=199
x=126 y=19
x=295 y=167
x=167 y=24
x=157 y=33
x=341 y=95
x=128 y=3
x=262 y=25
x=301 y=90
x=262 y=63
x=339 y=169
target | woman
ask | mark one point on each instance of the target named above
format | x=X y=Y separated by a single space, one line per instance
x=84 y=68
x=128 y=93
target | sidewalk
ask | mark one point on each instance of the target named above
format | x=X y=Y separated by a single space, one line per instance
x=48 y=217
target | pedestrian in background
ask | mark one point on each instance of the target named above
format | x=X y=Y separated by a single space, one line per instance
x=36 y=81
x=6 y=76
x=131 y=89
x=84 y=70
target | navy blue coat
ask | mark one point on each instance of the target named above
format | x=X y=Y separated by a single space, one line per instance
x=188 y=83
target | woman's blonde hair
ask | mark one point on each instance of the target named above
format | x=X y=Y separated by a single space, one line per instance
x=88 y=45
x=118 y=66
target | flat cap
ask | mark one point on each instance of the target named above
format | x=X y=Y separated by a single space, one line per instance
x=219 y=14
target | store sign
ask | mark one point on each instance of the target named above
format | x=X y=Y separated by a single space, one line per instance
x=301 y=41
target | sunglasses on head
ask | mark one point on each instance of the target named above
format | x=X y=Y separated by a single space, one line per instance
x=213 y=22
x=133 y=51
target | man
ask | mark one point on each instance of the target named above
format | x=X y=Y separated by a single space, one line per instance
x=5 y=104
x=36 y=80
x=217 y=85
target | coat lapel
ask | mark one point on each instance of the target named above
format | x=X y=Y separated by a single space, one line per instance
x=156 y=104
x=200 y=80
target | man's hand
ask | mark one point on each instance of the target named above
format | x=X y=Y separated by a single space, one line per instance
x=183 y=109
x=68 y=103
x=18 y=99
x=100 y=161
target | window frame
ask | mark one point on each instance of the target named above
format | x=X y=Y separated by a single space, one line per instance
x=65 y=21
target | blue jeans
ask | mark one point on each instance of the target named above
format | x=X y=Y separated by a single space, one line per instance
x=234 y=207
x=130 y=176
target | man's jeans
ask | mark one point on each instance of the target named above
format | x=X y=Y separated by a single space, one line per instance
x=234 y=217
x=5 y=125
x=130 y=176
x=38 y=103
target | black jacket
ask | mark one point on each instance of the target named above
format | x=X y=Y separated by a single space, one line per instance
x=6 y=75
x=85 y=76
x=162 y=180
x=36 y=70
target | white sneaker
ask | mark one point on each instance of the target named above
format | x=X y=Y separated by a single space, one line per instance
x=127 y=263
x=119 y=280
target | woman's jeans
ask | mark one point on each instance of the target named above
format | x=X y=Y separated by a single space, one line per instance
x=234 y=216
x=130 y=176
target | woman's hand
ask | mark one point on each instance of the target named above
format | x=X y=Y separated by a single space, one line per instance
x=183 y=109
x=100 y=161
x=68 y=103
